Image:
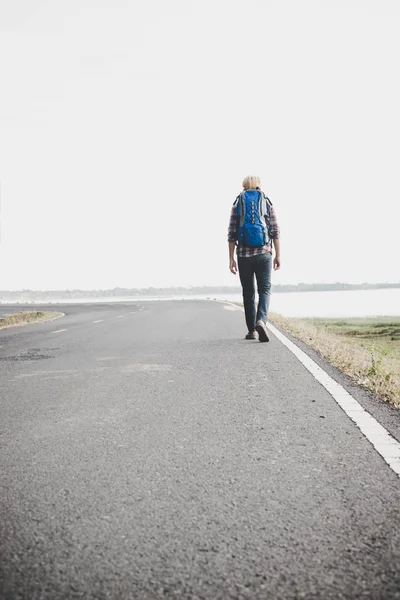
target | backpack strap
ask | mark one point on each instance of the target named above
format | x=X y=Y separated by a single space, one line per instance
x=265 y=203
x=266 y=216
x=241 y=209
x=262 y=207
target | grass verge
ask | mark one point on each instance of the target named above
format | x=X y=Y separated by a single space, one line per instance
x=23 y=318
x=368 y=350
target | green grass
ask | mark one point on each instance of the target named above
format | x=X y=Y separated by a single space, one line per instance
x=22 y=318
x=367 y=349
x=379 y=333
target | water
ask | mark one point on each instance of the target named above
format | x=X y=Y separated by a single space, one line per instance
x=357 y=303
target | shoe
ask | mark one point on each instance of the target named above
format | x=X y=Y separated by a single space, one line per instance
x=252 y=335
x=262 y=331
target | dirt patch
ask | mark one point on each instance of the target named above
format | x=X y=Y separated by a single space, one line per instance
x=28 y=355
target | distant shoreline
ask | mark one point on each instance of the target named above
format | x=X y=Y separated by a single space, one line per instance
x=33 y=296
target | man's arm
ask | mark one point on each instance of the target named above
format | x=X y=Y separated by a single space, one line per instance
x=275 y=233
x=277 y=259
x=232 y=261
x=232 y=237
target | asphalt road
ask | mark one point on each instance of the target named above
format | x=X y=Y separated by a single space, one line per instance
x=157 y=454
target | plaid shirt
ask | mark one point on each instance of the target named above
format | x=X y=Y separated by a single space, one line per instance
x=246 y=251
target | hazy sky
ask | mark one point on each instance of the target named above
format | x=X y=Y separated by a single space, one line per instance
x=127 y=126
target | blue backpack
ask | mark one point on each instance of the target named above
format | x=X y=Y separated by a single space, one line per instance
x=252 y=207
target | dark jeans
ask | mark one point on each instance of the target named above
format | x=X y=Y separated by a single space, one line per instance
x=260 y=267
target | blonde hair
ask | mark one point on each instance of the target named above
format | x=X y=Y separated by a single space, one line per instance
x=251 y=182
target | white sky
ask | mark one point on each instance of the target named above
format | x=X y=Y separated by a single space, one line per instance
x=127 y=126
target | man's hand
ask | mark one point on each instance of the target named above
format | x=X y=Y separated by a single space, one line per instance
x=233 y=266
x=277 y=263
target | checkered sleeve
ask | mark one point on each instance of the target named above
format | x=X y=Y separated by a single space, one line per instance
x=273 y=228
x=232 y=229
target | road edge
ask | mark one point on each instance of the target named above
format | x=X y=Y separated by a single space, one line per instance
x=381 y=439
x=55 y=316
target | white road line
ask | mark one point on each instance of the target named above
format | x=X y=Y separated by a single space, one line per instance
x=120 y=316
x=380 y=438
x=59 y=331
x=383 y=442
x=99 y=321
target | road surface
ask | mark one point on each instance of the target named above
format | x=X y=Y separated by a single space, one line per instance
x=148 y=451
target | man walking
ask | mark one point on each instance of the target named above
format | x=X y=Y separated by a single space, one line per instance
x=253 y=229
